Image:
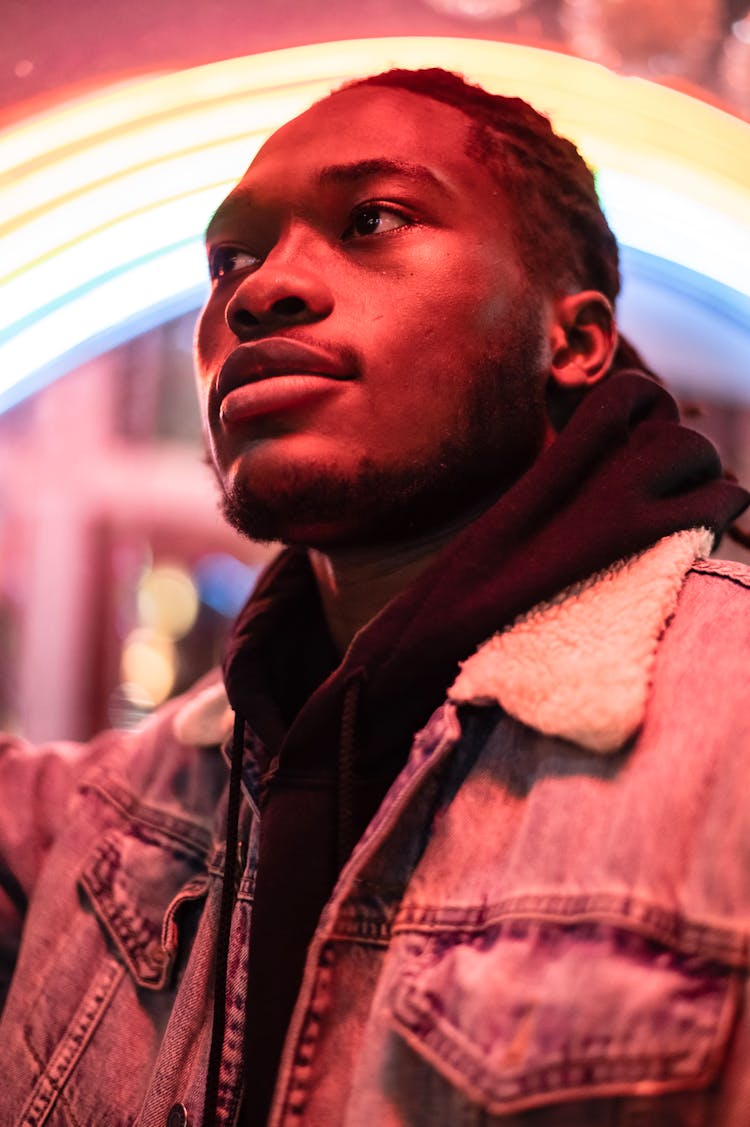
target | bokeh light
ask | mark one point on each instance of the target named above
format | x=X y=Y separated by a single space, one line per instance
x=148 y=667
x=167 y=600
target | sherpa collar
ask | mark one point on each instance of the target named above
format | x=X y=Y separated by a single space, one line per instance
x=580 y=666
x=205 y=719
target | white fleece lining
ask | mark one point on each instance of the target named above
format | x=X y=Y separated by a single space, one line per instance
x=205 y=719
x=580 y=667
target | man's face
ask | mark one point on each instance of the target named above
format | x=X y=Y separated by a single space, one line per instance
x=371 y=359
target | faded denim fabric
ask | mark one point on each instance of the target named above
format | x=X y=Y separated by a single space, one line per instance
x=527 y=933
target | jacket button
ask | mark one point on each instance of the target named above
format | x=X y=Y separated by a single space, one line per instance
x=156 y=954
x=178 y=1116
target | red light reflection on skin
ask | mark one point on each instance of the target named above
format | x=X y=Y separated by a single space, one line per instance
x=365 y=233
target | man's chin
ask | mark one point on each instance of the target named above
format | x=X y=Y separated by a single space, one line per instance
x=325 y=515
x=266 y=522
x=375 y=507
x=323 y=508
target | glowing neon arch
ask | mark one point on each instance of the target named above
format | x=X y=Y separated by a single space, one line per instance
x=104 y=200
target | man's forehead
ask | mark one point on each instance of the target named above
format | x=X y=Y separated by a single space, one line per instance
x=365 y=124
x=390 y=119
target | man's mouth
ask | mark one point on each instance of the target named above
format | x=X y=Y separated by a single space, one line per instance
x=275 y=374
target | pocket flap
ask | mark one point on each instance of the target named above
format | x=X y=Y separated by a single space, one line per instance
x=133 y=877
x=529 y=1014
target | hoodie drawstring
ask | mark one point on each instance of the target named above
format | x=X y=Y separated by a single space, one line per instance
x=225 y=923
x=346 y=834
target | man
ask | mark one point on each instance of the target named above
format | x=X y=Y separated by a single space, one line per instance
x=483 y=855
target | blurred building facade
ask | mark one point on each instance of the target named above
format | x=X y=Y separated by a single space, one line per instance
x=118 y=576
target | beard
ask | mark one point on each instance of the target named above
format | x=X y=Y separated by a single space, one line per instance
x=494 y=438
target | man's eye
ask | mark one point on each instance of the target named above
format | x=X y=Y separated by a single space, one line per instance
x=227 y=260
x=374 y=219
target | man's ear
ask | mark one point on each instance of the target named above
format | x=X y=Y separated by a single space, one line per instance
x=583 y=340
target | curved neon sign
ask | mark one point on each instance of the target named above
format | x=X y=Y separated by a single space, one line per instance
x=103 y=201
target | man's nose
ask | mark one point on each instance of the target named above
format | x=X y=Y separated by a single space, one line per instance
x=288 y=288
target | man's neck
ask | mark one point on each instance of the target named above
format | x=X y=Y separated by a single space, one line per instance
x=355 y=584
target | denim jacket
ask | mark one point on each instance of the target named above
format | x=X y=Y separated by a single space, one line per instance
x=546 y=923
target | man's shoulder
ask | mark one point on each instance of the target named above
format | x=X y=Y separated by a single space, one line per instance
x=174 y=760
x=714 y=608
x=701 y=683
x=712 y=618
x=726 y=571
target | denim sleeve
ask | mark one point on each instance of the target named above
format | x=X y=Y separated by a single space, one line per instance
x=36 y=785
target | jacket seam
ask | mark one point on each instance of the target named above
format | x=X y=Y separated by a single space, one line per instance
x=188 y=834
x=55 y=1073
x=727 y=579
x=664 y=926
x=62 y=1096
x=715 y=573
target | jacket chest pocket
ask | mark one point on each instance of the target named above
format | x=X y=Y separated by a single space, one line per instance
x=531 y=1015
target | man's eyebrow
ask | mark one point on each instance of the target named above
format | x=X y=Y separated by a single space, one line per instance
x=225 y=212
x=377 y=166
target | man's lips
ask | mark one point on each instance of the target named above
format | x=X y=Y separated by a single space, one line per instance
x=280 y=356
x=265 y=376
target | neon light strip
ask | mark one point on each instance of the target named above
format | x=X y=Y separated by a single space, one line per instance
x=667 y=224
x=105 y=198
x=128 y=292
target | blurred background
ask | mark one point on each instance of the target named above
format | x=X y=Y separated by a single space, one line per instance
x=118 y=579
